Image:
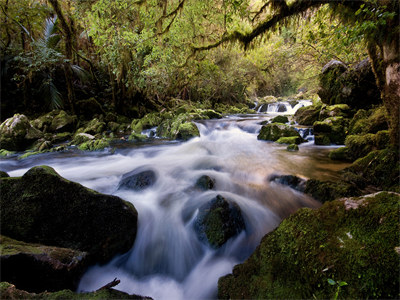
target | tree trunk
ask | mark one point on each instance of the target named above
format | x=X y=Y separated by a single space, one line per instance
x=391 y=89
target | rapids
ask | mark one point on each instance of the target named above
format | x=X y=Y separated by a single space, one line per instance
x=167 y=260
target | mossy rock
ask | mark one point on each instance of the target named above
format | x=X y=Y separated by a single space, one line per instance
x=38 y=268
x=65 y=214
x=218 y=221
x=280 y=119
x=205 y=183
x=9 y=291
x=352 y=240
x=187 y=131
x=337 y=110
x=370 y=121
x=290 y=140
x=3 y=174
x=274 y=131
x=330 y=190
x=89 y=108
x=307 y=115
x=379 y=168
x=341 y=153
x=17 y=134
x=80 y=138
x=360 y=145
x=61 y=137
x=5 y=153
x=95 y=126
x=55 y=121
x=148 y=121
x=95 y=145
x=292 y=181
x=292 y=148
x=330 y=131
x=137 y=137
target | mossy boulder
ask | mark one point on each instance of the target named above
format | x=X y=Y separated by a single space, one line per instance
x=351 y=240
x=341 y=153
x=290 y=140
x=218 y=221
x=148 y=121
x=55 y=121
x=9 y=291
x=95 y=126
x=337 y=110
x=307 y=115
x=5 y=153
x=292 y=181
x=38 y=268
x=330 y=190
x=280 y=119
x=187 y=131
x=370 y=121
x=205 y=183
x=274 y=131
x=332 y=130
x=89 y=108
x=61 y=213
x=379 y=168
x=17 y=134
x=95 y=145
x=137 y=137
x=292 y=148
x=355 y=86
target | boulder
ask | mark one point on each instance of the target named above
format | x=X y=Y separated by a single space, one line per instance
x=307 y=115
x=205 y=183
x=292 y=181
x=187 y=131
x=55 y=121
x=16 y=133
x=330 y=190
x=138 y=179
x=290 y=140
x=274 y=131
x=88 y=108
x=341 y=153
x=337 y=110
x=94 y=127
x=280 y=119
x=148 y=121
x=348 y=246
x=292 y=148
x=37 y=268
x=355 y=86
x=9 y=291
x=61 y=213
x=330 y=131
x=95 y=145
x=218 y=221
x=370 y=121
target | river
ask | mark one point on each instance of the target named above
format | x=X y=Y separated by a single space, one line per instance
x=168 y=261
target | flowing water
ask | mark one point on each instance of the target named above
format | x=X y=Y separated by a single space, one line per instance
x=168 y=261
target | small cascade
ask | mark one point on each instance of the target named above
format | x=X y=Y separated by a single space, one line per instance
x=279 y=107
x=283 y=107
x=152 y=132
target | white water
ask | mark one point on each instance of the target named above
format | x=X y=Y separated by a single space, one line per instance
x=167 y=260
x=283 y=108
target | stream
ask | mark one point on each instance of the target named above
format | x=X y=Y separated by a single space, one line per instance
x=168 y=261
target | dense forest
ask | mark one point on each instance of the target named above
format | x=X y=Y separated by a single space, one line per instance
x=84 y=79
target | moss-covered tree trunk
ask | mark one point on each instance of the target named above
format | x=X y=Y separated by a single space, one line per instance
x=386 y=65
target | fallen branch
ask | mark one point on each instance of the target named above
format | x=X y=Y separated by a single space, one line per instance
x=110 y=284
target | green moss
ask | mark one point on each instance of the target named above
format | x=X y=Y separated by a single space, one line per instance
x=137 y=137
x=332 y=130
x=274 y=131
x=360 y=145
x=370 y=121
x=354 y=245
x=290 y=140
x=341 y=153
x=148 y=121
x=329 y=190
x=187 y=131
x=5 y=153
x=94 y=145
x=292 y=147
x=280 y=119
x=307 y=115
x=28 y=154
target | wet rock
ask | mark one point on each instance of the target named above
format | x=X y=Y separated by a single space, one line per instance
x=9 y=291
x=138 y=180
x=337 y=110
x=95 y=145
x=218 y=221
x=80 y=138
x=55 y=121
x=94 y=127
x=292 y=181
x=38 y=268
x=341 y=153
x=187 y=131
x=291 y=140
x=335 y=242
x=148 y=121
x=330 y=131
x=307 y=115
x=16 y=133
x=355 y=86
x=62 y=213
x=280 y=119
x=330 y=190
x=274 y=131
x=205 y=183
x=292 y=148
